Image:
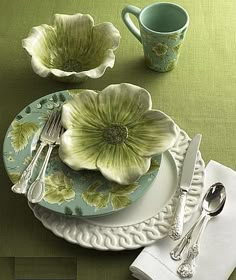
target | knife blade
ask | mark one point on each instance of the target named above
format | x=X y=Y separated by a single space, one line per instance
x=176 y=228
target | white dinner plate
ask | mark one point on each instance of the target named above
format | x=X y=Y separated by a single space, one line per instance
x=143 y=222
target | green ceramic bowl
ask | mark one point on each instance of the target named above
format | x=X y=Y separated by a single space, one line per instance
x=84 y=193
x=72 y=48
x=115 y=131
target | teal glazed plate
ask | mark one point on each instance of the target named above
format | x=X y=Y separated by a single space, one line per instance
x=74 y=193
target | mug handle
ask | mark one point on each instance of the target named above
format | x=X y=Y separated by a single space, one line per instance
x=129 y=23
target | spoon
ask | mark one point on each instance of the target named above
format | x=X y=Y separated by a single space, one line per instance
x=176 y=253
x=212 y=205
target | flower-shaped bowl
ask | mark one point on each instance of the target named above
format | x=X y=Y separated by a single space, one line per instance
x=115 y=131
x=73 y=48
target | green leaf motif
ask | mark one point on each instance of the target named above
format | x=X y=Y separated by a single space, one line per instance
x=120 y=201
x=68 y=211
x=28 y=110
x=103 y=200
x=78 y=211
x=94 y=187
x=94 y=198
x=19 y=117
x=62 y=97
x=15 y=177
x=123 y=190
x=21 y=133
x=54 y=98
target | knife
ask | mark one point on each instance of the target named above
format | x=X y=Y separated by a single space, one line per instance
x=176 y=228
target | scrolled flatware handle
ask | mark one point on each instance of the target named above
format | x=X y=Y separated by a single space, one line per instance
x=22 y=185
x=37 y=188
x=186 y=269
x=176 y=253
x=176 y=228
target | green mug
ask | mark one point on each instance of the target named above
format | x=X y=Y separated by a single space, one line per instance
x=162 y=28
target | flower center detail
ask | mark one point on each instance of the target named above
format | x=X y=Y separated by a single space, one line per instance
x=115 y=134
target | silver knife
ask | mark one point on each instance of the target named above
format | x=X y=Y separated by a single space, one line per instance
x=176 y=228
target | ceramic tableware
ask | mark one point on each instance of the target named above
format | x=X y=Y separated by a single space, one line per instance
x=115 y=131
x=162 y=28
x=72 y=49
x=73 y=193
x=143 y=222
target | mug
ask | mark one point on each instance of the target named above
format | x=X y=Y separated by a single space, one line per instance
x=162 y=28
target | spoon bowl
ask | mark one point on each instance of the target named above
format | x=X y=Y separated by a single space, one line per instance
x=214 y=199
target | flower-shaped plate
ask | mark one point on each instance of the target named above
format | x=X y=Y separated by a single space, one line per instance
x=74 y=193
x=145 y=221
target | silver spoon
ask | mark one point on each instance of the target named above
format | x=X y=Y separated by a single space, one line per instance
x=212 y=205
x=176 y=253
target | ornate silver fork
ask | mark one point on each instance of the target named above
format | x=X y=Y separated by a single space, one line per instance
x=37 y=188
x=22 y=185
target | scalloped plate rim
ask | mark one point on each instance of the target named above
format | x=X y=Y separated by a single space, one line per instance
x=89 y=235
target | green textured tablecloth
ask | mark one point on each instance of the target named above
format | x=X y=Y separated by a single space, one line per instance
x=200 y=95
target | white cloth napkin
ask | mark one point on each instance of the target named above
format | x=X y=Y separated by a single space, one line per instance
x=217 y=258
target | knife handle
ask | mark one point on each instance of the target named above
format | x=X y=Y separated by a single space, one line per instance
x=176 y=228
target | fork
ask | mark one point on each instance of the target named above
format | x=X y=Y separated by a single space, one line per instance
x=37 y=188
x=21 y=186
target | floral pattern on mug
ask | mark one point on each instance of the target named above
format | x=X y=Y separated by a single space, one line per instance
x=171 y=65
x=176 y=48
x=160 y=49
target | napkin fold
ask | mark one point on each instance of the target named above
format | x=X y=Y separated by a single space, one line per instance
x=217 y=258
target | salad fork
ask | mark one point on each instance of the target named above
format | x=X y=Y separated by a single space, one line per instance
x=37 y=188
x=21 y=186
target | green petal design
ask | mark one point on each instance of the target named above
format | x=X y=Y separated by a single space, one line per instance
x=123 y=103
x=59 y=189
x=80 y=148
x=151 y=136
x=74 y=39
x=120 y=201
x=121 y=164
x=72 y=49
x=115 y=131
x=20 y=134
x=81 y=110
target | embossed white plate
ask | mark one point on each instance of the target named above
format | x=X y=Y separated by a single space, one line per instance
x=140 y=224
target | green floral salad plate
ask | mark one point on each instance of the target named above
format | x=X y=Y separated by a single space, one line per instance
x=71 y=192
